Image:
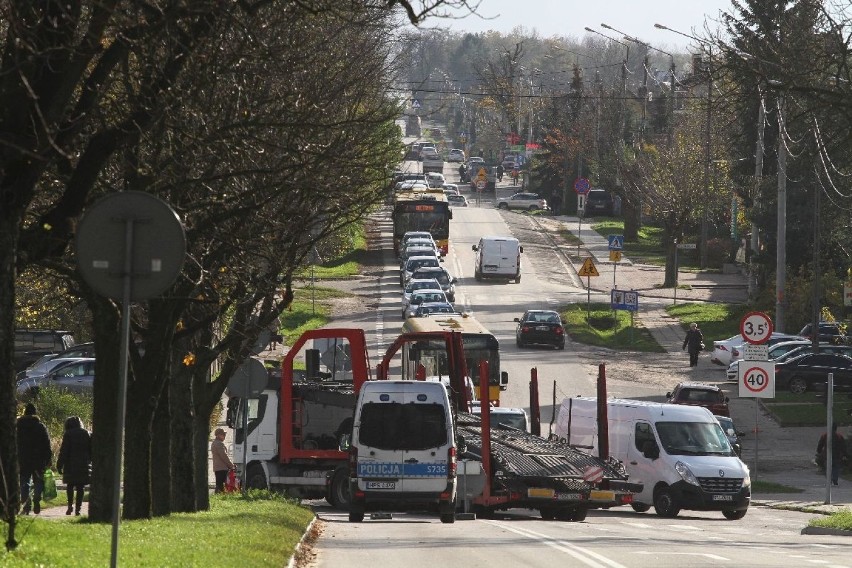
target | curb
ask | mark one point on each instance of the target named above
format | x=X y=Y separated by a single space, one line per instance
x=825 y=531
x=301 y=544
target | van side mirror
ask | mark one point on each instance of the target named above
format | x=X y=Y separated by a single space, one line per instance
x=517 y=320
x=231 y=414
x=474 y=247
x=668 y=395
x=450 y=216
x=727 y=399
x=520 y=249
x=454 y=280
x=650 y=450
x=504 y=380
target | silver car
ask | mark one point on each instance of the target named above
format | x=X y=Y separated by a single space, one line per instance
x=522 y=201
x=76 y=376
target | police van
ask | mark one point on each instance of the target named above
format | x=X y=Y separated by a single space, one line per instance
x=403 y=450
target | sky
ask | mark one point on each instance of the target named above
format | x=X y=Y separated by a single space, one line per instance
x=568 y=18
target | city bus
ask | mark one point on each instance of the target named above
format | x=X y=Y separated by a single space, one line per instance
x=479 y=344
x=422 y=210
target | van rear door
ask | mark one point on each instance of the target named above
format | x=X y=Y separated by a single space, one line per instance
x=379 y=465
x=426 y=439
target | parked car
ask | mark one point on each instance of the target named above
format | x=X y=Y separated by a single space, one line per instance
x=600 y=202
x=542 y=327
x=774 y=339
x=810 y=372
x=829 y=331
x=457 y=200
x=456 y=155
x=44 y=366
x=77 y=375
x=731 y=432
x=527 y=201
x=439 y=273
x=785 y=350
x=723 y=350
x=423 y=297
x=710 y=397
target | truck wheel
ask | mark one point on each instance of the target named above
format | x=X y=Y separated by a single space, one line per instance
x=339 y=495
x=356 y=514
x=255 y=479
x=579 y=515
x=734 y=515
x=640 y=507
x=448 y=518
x=547 y=514
x=664 y=504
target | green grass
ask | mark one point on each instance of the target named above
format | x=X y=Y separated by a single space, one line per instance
x=807 y=409
x=758 y=486
x=346 y=264
x=650 y=248
x=601 y=329
x=259 y=529
x=841 y=521
x=716 y=321
x=310 y=310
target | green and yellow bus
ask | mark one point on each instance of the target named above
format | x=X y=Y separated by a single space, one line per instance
x=479 y=344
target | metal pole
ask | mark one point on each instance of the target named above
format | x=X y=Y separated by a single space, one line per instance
x=756 y=432
x=758 y=173
x=781 y=252
x=122 y=388
x=707 y=156
x=588 y=298
x=829 y=436
x=675 y=286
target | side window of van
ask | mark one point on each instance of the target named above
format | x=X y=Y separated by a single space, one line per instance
x=643 y=434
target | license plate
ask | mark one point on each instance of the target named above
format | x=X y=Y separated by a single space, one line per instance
x=723 y=497
x=381 y=485
x=540 y=493
x=602 y=495
x=569 y=497
x=541 y=328
x=490 y=269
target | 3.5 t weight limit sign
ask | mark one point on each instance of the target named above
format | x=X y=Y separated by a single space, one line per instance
x=756 y=328
x=757 y=379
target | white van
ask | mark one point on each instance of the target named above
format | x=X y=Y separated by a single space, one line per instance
x=498 y=257
x=679 y=453
x=403 y=451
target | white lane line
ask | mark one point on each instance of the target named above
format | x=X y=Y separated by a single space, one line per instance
x=701 y=554
x=638 y=525
x=587 y=557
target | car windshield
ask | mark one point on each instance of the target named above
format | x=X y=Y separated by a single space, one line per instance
x=693 y=439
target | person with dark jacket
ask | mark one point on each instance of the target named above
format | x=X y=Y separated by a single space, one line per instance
x=838 y=452
x=75 y=461
x=34 y=456
x=693 y=343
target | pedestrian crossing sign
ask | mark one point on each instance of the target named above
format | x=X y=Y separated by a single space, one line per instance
x=588 y=268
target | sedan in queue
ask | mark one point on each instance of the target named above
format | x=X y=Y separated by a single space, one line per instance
x=542 y=327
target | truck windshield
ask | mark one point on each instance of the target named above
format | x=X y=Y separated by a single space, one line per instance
x=394 y=426
x=693 y=439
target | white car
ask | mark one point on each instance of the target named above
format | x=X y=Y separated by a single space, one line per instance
x=417 y=284
x=457 y=200
x=524 y=201
x=412 y=264
x=422 y=297
x=730 y=349
x=456 y=155
x=450 y=189
x=435 y=180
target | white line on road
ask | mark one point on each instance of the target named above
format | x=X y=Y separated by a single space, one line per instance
x=585 y=556
x=702 y=554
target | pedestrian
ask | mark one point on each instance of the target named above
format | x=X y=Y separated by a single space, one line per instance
x=693 y=343
x=34 y=456
x=838 y=452
x=75 y=462
x=222 y=464
x=500 y=171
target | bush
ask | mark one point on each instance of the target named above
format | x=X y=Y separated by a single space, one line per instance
x=720 y=251
x=54 y=406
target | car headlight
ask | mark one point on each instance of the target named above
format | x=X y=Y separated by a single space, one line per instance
x=746 y=477
x=686 y=473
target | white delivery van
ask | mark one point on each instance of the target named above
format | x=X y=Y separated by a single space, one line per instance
x=403 y=451
x=679 y=454
x=498 y=257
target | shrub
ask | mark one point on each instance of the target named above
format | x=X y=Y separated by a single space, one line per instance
x=54 y=406
x=719 y=251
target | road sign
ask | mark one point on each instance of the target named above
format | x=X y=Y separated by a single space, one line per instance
x=482 y=174
x=689 y=246
x=755 y=352
x=480 y=184
x=415 y=103
x=756 y=328
x=757 y=379
x=582 y=185
x=616 y=242
x=615 y=256
x=588 y=268
x=623 y=300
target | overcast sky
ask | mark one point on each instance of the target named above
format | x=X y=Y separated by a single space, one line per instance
x=568 y=18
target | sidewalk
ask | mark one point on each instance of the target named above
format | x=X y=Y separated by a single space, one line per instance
x=773 y=454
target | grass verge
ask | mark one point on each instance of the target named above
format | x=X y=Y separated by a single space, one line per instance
x=311 y=309
x=716 y=321
x=346 y=263
x=601 y=326
x=758 y=486
x=258 y=529
x=807 y=409
x=840 y=521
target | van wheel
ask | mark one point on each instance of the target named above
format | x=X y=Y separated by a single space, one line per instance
x=547 y=514
x=255 y=479
x=339 y=495
x=734 y=515
x=448 y=518
x=477 y=275
x=504 y=206
x=664 y=504
x=797 y=385
x=356 y=513
x=518 y=279
x=640 y=507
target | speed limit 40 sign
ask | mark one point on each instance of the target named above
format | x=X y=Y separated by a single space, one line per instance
x=757 y=379
x=756 y=328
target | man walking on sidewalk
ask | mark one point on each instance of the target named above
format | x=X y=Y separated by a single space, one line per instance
x=693 y=343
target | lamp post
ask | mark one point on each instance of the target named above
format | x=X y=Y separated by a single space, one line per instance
x=707 y=136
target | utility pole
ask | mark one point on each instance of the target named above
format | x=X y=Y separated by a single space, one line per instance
x=707 y=158
x=781 y=245
x=758 y=174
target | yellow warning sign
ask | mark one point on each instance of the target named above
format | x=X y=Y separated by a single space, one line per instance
x=482 y=175
x=588 y=268
x=615 y=256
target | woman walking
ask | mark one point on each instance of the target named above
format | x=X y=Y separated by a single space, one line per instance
x=693 y=343
x=75 y=459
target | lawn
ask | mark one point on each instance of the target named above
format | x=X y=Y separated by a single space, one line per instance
x=311 y=309
x=649 y=249
x=598 y=327
x=258 y=529
x=716 y=321
x=807 y=409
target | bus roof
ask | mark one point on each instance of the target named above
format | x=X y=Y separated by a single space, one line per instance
x=420 y=195
x=450 y=322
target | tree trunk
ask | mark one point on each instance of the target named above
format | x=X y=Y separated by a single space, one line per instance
x=631 y=210
x=200 y=449
x=161 y=477
x=10 y=492
x=106 y=323
x=137 y=452
x=671 y=270
x=182 y=430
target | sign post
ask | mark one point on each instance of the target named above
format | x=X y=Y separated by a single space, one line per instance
x=588 y=270
x=756 y=375
x=582 y=187
x=616 y=245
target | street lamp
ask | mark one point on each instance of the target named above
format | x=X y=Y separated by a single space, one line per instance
x=707 y=137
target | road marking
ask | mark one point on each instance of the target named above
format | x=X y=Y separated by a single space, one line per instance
x=639 y=525
x=702 y=554
x=587 y=557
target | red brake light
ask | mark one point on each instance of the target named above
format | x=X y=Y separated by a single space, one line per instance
x=559 y=330
x=451 y=462
x=525 y=328
x=723 y=348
